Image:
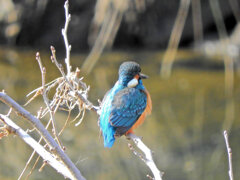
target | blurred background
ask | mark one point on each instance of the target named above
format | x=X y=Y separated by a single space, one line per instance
x=190 y=50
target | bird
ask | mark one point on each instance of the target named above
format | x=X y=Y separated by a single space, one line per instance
x=125 y=106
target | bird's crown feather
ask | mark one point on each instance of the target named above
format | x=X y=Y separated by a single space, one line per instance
x=129 y=68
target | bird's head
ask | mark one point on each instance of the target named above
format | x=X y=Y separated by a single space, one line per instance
x=130 y=74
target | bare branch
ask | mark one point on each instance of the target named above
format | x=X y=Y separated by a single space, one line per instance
x=65 y=124
x=76 y=94
x=34 y=165
x=34 y=152
x=64 y=33
x=48 y=157
x=148 y=156
x=50 y=84
x=81 y=119
x=44 y=133
x=229 y=151
x=45 y=98
x=27 y=164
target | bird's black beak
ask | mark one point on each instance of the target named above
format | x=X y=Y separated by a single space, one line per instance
x=143 y=76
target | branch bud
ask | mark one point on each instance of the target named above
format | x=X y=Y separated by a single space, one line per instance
x=52 y=49
x=44 y=70
x=37 y=55
x=52 y=59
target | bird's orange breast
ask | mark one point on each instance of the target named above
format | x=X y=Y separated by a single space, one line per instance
x=146 y=112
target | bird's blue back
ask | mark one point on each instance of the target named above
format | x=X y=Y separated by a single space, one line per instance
x=120 y=109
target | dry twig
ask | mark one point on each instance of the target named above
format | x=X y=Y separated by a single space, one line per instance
x=229 y=151
x=49 y=157
x=148 y=160
x=55 y=148
x=64 y=33
x=45 y=98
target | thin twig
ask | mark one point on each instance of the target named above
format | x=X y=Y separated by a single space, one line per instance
x=65 y=124
x=59 y=166
x=27 y=163
x=38 y=92
x=81 y=119
x=9 y=112
x=87 y=103
x=148 y=156
x=229 y=151
x=46 y=101
x=64 y=33
x=34 y=165
x=43 y=132
x=33 y=153
x=52 y=83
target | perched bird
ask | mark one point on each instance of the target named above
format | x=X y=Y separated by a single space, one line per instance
x=126 y=105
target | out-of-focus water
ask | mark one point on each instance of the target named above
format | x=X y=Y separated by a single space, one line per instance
x=184 y=130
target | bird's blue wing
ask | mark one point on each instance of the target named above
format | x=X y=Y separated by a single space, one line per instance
x=107 y=130
x=127 y=106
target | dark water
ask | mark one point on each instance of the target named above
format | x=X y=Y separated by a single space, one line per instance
x=184 y=130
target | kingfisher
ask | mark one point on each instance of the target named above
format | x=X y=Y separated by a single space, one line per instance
x=125 y=106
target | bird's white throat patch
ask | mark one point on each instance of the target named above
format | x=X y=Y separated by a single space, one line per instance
x=133 y=83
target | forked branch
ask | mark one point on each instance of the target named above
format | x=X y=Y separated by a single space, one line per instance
x=55 y=148
x=48 y=157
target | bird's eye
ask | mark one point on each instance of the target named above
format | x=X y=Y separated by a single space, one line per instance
x=137 y=77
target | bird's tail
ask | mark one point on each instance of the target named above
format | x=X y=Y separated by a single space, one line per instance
x=108 y=136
